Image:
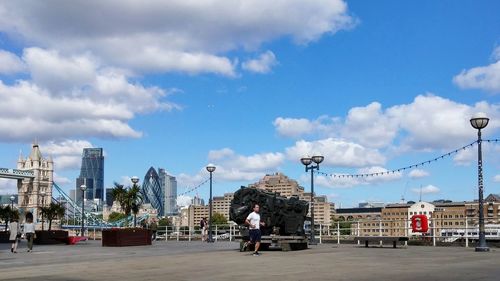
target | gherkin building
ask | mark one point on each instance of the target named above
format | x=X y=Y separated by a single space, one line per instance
x=153 y=192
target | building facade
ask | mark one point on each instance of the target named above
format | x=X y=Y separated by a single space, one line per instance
x=36 y=192
x=160 y=190
x=169 y=184
x=281 y=184
x=92 y=175
x=222 y=204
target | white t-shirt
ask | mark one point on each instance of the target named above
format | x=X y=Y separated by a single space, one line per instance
x=254 y=220
x=29 y=228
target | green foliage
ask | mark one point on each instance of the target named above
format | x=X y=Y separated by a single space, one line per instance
x=130 y=199
x=218 y=219
x=164 y=222
x=114 y=216
x=345 y=227
x=6 y=213
x=53 y=212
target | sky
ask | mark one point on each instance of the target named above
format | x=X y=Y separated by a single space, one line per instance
x=252 y=86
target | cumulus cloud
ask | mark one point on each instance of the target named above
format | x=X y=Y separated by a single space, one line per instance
x=485 y=78
x=428 y=189
x=496 y=178
x=337 y=152
x=74 y=97
x=184 y=200
x=429 y=122
x=60 y=180
x=186 y=36
x=66 y=154
x=263 y=64
x=418 y=173
x=10 y=63
x=8 y=186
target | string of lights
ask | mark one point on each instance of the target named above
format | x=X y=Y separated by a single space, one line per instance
x=189 y=190
x=465 y=147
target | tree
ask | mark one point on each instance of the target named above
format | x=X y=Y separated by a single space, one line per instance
x=130 y=199
x=345 y=226
x=164 y=222
x=114 y=216
x=6 y=213
x=218 y=219
x=52 y=212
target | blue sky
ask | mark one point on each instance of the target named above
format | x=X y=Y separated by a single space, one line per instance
x=252 y=86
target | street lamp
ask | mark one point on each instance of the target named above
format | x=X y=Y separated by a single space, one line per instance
x=43 y=205
x=83 y=188
x=480 y=121
x=12 y=198
x=134 y=180
x=307 y=161
x=210 y=169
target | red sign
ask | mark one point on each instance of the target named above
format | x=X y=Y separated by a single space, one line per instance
x=419 y=223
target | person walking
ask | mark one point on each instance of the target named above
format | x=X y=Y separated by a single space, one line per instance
x=154 y=229
x=29 y=232
x=14 y=234
x=204 y=227
x=254 y=222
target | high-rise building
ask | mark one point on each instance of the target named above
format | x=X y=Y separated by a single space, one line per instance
x=197 y=201
x=109 y=197
x=279 y=183
x=160 y=190
x=170 y=190
x=92 y=174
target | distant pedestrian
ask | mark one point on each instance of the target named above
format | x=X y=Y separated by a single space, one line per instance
x=254 y=223
x=204 y=229
x=14 y=234
x=154 y=229
x=29 y=232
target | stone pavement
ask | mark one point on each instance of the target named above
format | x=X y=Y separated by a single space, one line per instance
x=222 y=261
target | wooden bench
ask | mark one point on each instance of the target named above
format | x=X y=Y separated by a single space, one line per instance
x=381 y=239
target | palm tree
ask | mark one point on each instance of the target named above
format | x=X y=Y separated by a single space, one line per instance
x=130 y=199
x=52 y=212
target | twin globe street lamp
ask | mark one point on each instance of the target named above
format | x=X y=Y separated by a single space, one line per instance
x=12 y=198
x=210 y=169
x=307 y=161
x=83 y=188
x=134 y=181
x=480 y=121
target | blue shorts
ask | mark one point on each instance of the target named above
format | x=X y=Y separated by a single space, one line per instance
x=255 y=235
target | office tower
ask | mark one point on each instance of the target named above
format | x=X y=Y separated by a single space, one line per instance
x=170 y=190
x=160 y=190
x=92 y=174
x=109 y=197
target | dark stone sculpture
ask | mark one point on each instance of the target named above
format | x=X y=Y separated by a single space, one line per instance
x=281 y=215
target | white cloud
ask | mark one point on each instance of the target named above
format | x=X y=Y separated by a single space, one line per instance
x=429 y=122
x=8 y=186
x=184 y=200
x=263 y=64
x=186 y=36
x=10 y=63
x=482 y=77
x=428 y=189
x=66 y=154
x=496 y=178
x=60 y=180
x=418 y=173
x=74 y=97
x=336 y=152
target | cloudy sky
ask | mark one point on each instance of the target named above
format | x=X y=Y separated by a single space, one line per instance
x=252 y=86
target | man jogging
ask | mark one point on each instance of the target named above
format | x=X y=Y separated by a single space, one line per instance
x=254 y=223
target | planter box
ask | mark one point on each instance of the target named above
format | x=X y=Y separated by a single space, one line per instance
x=46 y=237
x=4 y=236
x=126 y=237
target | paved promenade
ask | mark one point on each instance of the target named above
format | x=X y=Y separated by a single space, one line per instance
x=222 y=261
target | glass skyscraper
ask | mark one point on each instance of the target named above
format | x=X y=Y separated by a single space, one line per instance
x=92 y=174
x=160 y=190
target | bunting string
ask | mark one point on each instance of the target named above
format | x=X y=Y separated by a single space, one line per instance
x=456 y=151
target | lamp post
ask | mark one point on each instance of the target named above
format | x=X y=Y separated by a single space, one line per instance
x=134 y=180
x=83 y=188
x=43 y=205
x=311 y=167
x=480 y=121
x=210 y=169
x=12 y=198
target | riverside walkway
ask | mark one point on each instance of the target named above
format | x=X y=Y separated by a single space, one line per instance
x=222 y=261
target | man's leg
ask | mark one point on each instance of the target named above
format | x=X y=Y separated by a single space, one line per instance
x=257 y=245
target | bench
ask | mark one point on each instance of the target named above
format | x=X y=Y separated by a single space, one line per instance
x=381 y=239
